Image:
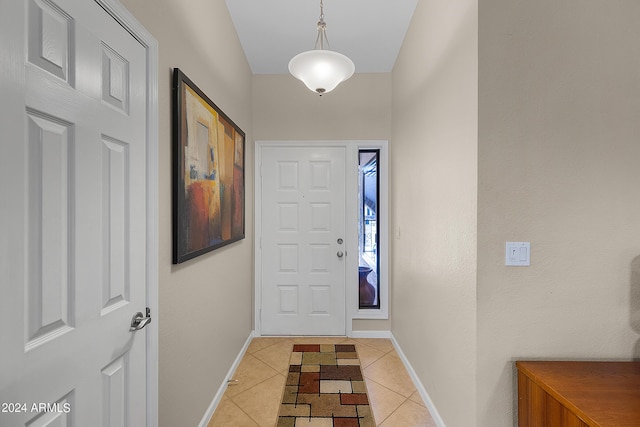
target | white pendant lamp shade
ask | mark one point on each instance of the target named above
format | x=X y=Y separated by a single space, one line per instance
x=321 y=70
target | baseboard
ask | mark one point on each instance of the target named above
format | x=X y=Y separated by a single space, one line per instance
x=370 y=334
x=223 y=387
x=416 y=381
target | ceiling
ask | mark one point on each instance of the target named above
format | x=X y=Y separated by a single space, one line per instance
x=370 y=32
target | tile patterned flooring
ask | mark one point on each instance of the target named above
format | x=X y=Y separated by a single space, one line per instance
x=255 y=398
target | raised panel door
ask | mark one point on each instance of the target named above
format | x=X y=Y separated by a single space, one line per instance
x=303 y=268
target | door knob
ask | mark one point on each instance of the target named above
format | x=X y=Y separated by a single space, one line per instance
x=340 y=254
x=139 y=321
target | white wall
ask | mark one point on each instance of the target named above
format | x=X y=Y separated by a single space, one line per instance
x=434 y=203
x=205 y=303
x=559 y=166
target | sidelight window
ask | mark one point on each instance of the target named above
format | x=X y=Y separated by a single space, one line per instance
x=368 y=229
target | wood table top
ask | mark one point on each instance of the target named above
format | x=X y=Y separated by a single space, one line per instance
x=600 y=393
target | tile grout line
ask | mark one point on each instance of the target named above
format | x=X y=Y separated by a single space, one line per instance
x=256 y=385
x=266 y=362
x=259 y=360
x=250 y=388
x=384 y=352
x=270 y=345
x=375 y=360
x=243 y=411
x=390 y=389
x=393 y=391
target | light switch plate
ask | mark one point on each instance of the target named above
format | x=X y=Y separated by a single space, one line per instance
x=518 y=254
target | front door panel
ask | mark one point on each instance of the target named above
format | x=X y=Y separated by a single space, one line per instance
x=303 y=220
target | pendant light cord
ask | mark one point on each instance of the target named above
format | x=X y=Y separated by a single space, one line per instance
x=321 y=69
x=321 y=39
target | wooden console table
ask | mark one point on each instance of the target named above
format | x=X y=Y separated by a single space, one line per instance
x=578 y=394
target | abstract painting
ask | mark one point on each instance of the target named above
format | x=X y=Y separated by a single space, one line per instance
x=208 y=173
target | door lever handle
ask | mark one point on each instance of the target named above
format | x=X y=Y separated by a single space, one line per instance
x=139 y=321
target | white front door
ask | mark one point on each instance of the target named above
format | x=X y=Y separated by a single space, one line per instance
x=302 y=240
x=73 y=216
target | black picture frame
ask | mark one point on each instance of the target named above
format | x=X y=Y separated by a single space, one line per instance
x=208 y=173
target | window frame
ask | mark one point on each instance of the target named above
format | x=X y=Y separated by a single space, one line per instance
x=362 y=227
x=353 y=206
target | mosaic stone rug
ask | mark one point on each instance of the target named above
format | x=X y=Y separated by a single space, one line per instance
x=325 y=388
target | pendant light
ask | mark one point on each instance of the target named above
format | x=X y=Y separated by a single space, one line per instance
x=321 y=69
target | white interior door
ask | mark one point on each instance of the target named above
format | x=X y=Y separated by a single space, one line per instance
x=302 y=241
x=73 y=216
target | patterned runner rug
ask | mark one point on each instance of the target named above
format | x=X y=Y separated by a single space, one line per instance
x=325 y=388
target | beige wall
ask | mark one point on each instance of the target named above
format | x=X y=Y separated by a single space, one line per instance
x=205 y=303
x=559 y=166
x=433 y=203
x=548 y=152
x=359 y=109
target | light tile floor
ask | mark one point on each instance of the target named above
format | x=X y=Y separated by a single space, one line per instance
x=254 y=399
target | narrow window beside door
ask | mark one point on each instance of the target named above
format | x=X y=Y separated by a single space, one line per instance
x=368 y=196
